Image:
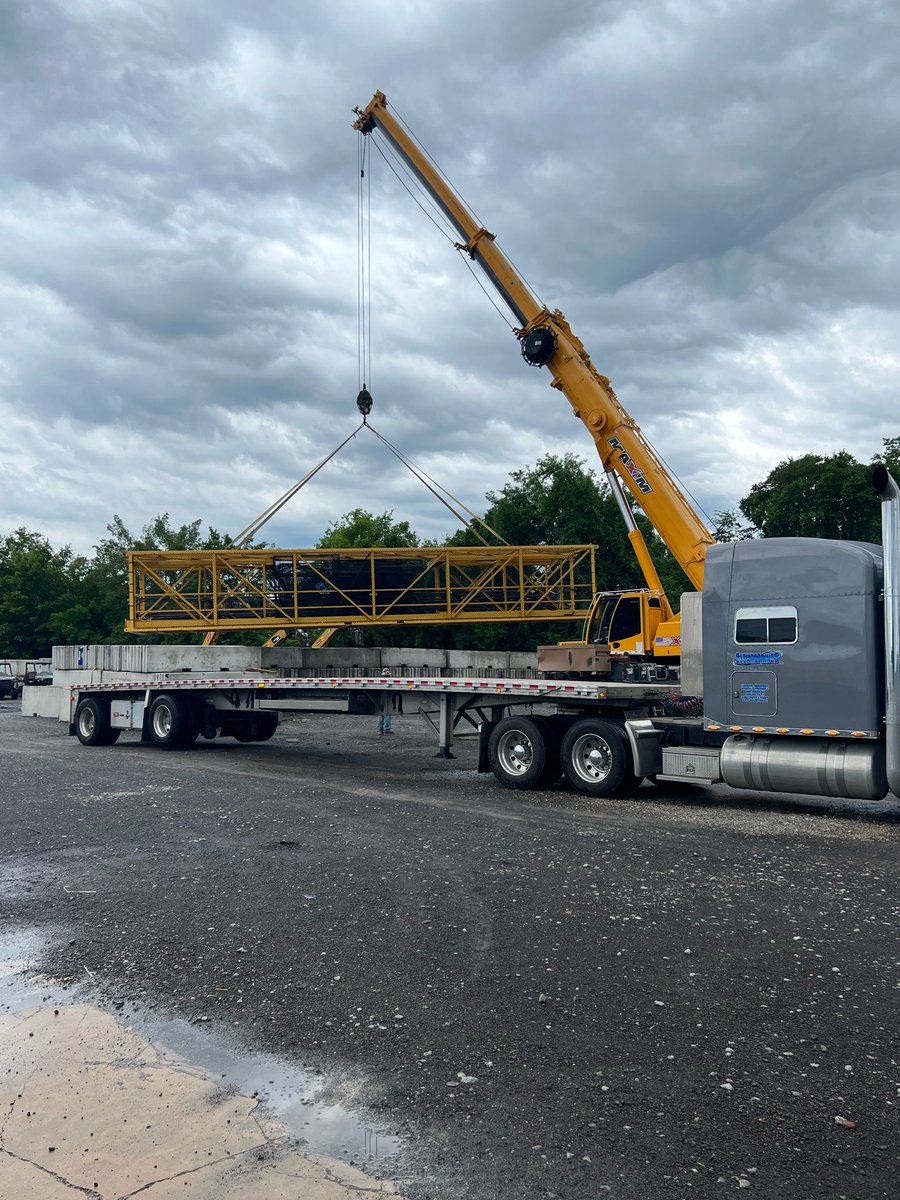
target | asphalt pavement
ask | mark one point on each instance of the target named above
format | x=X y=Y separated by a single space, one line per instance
x=544 y=995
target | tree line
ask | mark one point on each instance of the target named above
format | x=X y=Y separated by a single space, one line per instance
x=53 y=596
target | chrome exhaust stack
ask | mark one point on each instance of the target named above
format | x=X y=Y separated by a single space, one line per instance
x=887 y=489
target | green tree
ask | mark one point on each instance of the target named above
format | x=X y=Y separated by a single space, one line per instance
x=890 y=455
x=362 y=529
x=39 y=599
x=558 y=501
x=105 y=579
x=728 y=526
x=815 y=496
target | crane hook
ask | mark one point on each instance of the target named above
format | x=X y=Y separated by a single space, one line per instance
x=364 y=403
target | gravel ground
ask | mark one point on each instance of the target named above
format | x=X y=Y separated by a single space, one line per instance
x=546 y=995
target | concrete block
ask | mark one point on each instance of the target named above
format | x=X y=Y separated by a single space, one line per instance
x=50 y=702
x=146 y=658
x=414 y=662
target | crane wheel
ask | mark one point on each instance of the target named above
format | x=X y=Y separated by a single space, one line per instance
x=539 y=346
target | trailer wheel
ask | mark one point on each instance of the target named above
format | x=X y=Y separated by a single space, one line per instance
x=524 y=753
x=92 y=726
x=267 y=724
x=173 y=722
x=595 y=758
x=263 y=725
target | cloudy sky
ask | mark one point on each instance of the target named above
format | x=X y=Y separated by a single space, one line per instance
x=709 y=189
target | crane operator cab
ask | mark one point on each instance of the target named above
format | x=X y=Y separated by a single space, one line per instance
x=621 y=641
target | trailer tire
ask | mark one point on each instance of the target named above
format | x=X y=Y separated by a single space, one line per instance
x=264 y=724
x=596 y=759
x=267 y=724
x=173 y=722
x=92 y=727
x=524 y=753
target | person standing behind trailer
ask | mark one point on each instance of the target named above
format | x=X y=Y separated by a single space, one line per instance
x=387 y=704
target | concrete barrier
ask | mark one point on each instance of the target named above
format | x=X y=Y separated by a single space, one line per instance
x=81 y=666
x=46 y=702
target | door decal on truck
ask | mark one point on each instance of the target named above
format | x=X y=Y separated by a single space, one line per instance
x=754 y=693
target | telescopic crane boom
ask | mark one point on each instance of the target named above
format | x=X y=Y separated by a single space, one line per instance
x=548 y=341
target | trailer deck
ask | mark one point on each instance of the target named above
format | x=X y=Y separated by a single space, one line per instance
x=458 y=699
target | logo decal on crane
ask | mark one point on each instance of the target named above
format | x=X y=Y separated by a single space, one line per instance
x=631 y=466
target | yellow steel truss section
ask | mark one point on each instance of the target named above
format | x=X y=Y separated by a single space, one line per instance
x=175 y=591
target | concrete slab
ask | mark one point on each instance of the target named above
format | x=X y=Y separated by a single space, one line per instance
x=91 y=1106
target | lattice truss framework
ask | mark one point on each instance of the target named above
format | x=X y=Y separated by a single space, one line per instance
x=190 y=590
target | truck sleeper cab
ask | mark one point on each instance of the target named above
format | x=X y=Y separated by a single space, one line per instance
x=787 y=646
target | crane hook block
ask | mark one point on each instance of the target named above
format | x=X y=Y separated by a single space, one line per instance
x=364 y=402
x=539 y=346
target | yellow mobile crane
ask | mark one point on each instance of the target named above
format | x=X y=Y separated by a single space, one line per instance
x=637 y=624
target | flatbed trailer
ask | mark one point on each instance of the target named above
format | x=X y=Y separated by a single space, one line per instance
x=792 y=651
x=172 y=713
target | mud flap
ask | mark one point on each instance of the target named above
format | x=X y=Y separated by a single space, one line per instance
x=485 y=729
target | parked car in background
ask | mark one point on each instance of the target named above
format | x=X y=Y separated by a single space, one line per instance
x=38 y=674
x=9 y=685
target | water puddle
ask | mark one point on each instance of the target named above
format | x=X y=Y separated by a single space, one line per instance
x=20 y=985
x=289 y=1092
x=116 y=1104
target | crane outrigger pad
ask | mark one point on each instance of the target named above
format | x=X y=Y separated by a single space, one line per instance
x=176 y=591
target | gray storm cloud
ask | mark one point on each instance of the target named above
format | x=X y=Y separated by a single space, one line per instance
x=709 y=191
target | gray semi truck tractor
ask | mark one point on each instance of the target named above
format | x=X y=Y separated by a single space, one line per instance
x=790 y=661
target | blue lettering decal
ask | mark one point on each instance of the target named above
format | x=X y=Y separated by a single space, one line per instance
x=754 y=693
x=761 y=658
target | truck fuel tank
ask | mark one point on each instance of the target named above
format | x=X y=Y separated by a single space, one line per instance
x=854 y=770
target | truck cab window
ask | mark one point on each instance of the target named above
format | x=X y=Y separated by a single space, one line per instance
x=773 y=625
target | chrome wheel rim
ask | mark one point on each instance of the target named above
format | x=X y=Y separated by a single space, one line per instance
x=515 y=751
x=591 y=758
x=162 y=721
x=86 y=722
